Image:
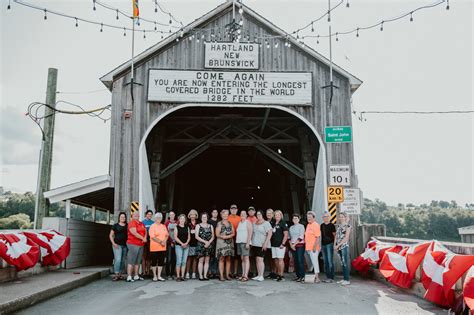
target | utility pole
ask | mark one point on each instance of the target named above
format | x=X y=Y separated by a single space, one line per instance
x=46 y=153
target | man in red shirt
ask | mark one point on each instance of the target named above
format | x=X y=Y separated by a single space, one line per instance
x=137 y=237
x=234 y=219
x=251 y=212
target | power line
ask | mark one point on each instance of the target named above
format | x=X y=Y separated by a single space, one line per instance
x=85 y=92
x=362 y=113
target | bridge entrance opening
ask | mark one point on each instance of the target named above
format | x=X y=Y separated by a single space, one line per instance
x=210 y=157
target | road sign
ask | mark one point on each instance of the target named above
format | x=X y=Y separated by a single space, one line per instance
x=351 y=204
x=134 y=206
x=335 y=194
x=339 y=175
x=338 y=134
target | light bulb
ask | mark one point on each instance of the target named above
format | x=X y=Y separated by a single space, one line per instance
x=77 y=24
x=241 y=11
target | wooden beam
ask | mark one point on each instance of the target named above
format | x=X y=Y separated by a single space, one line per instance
x=236 y=141
x=173 y=167
x=265 y=118
x=280 y=160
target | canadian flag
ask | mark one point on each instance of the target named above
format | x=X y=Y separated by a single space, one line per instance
x=386 y=268
x=441 y=269
x=468 y=289
x=372 y=254
x=17 y=250
x=400 y=267
x=55 y=247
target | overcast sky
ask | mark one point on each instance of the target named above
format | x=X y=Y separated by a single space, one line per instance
x=424 y=65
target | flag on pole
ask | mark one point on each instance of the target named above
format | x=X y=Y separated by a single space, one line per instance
x=136 y=11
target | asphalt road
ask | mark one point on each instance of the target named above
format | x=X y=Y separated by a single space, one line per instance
x=233 y=297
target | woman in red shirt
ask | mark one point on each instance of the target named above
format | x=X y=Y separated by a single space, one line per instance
x=137 y=237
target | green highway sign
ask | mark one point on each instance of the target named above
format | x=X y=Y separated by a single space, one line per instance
x=338 y=134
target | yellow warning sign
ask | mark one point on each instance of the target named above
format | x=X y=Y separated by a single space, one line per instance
x=335 y=194
x=134 y=206
x=332 y=208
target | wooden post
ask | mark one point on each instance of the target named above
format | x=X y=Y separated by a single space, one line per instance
x=93 y=213
x=68 y=209
x=108 y=217
x=46 y=155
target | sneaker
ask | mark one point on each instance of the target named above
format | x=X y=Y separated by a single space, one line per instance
x=340 y=281
x=129 y=279
x=193 y=276
x=260 y=279
x=154 y=279
x=170 y=278
x=345 y=282
x=328 y=281
x=161 y=279
x=187 y=276
x=136 y=278
x=256 y=278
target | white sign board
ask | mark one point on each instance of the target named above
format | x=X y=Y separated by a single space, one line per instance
x=236 y=87
x=351 y=203
x=231 y=55
x=339 y=175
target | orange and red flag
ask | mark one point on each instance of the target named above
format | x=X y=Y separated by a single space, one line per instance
x=136 y=11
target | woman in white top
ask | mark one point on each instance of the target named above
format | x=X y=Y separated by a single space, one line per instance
x=262 y=233
x=244 y=235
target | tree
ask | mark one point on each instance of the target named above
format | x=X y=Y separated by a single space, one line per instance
x=444 y=204
x=454 y=204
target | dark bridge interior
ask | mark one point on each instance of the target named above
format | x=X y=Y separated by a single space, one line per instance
x=210 y=157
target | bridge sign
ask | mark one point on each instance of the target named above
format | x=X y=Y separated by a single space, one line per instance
x=338 y=134
x=340 y=175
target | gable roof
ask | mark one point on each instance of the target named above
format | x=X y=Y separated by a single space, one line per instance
x=108 y=78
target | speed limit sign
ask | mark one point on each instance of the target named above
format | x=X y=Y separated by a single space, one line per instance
x=335 y=194
x=340 y=175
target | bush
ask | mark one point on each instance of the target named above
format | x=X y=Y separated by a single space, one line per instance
x=16 y=221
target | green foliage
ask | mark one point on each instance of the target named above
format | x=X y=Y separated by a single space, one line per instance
x=439 y=220
x=16 y=221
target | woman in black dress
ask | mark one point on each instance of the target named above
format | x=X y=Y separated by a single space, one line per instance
x=205 y=238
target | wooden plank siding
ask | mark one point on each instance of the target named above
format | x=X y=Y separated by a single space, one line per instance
x=127 y=134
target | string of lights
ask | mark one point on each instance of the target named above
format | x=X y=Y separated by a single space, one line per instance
x=34 y=112
x=215 y=34
x=119 y=12
x=357 y=30
x=159 y=6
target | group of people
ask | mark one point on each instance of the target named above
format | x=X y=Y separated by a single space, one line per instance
x=205 y=246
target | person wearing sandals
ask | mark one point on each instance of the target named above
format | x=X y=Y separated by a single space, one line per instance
x=224 y=245
x=191 y=264
x=158 y=239
x=297 y=246
x=118 y=238
x=343 y=233
x=137 y=238
x=262 y=233
x=182 y=237
x=205 y=238
x=312 y=237
x=243 y=238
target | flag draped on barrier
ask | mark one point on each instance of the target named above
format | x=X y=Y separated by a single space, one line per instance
x=18 y=250
x=24 y=249
x=54 y=246
x=441 y=268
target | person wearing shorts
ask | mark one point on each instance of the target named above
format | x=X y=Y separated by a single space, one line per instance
x=137 y=237
x=158 y=240
x=278 y=243
x=261 y=235
x=146 y=260
x=243 y=238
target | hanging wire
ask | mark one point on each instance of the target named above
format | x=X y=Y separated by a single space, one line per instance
x=34 y=112
x=362 y=113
